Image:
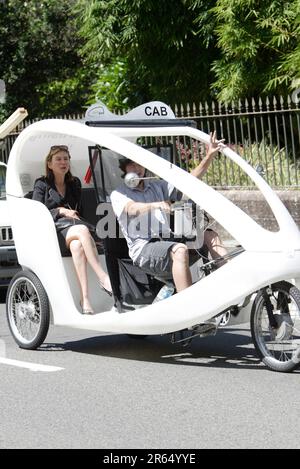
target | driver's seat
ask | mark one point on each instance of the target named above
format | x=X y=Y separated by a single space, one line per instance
x=130 y=284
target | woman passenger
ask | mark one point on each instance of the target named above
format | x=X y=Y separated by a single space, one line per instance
x=61 y=193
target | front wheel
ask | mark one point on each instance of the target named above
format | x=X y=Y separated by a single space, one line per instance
x=27 y=310
x=275 y=326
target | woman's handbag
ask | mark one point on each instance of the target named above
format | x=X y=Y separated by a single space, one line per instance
x=67 y=222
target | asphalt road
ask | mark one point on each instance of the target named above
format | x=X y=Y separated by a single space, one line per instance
x=113 y=391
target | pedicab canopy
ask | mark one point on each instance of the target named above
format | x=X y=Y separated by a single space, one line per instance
x=117 y=134
x=267 y=257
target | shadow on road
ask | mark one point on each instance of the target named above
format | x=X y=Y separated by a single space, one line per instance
x=230 y=348
x=3 y=292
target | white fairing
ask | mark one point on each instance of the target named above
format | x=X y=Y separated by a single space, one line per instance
x=268 y=256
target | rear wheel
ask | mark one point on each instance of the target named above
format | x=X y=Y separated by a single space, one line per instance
x=275 y=326
x=27 y=309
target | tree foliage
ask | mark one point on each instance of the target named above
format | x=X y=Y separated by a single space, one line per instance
x=259 y=42
x=57 y=55
x=165 y=54
x=187 y=50
x=39 y=59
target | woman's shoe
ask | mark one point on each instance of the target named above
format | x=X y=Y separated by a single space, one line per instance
x=86 y=310
x=104 y=289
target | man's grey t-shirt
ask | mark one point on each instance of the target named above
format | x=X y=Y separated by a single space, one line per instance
x=138 y=230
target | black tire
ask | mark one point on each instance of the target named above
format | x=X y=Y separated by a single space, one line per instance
x=27 y=310
x=278 y=345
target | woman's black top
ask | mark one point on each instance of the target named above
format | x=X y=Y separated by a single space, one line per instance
x=46 y=192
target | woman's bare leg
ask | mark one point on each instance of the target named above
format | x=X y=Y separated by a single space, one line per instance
x=82 y=233
x=80 y=264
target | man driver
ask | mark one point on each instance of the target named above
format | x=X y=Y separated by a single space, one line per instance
x=134 y=208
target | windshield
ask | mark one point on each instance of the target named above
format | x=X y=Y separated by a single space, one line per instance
x=106 y=172
x=2 y=182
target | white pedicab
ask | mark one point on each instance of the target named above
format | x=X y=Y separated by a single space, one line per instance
x=263 y=275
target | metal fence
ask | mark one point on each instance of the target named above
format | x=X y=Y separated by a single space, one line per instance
x=266 y=133
x=6 y=145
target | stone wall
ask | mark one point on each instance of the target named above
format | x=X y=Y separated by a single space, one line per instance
x=253 y=203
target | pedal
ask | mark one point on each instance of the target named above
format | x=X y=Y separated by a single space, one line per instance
x=200 y=330
x=205 y=329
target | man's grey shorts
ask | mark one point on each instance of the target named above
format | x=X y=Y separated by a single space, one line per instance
x=155 y=258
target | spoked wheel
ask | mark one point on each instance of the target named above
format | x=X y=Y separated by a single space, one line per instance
x=275 y=326
x=27 y=309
